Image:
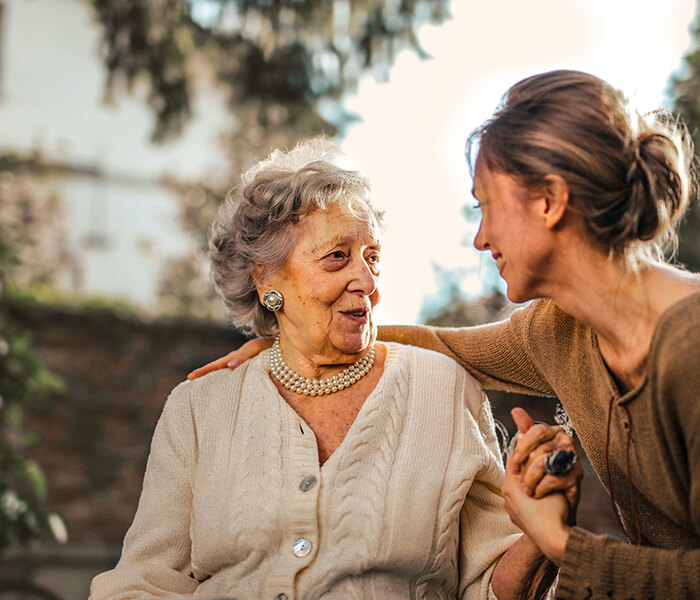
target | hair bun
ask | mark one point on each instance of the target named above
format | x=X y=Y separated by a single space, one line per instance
x=657 y=197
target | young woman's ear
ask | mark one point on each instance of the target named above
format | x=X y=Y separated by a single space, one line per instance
x=556 y=196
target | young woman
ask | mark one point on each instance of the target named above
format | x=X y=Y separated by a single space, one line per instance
x=579 y=199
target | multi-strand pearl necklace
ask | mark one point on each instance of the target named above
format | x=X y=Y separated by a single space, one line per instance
x=317 y=387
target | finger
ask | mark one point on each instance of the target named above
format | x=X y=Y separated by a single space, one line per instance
x=536 y=435
x=522 y=419
x=511 y=484
x=233 y=359
x=214 y=365
x=560 y=442
x=512 y=467
x=573 y=495
x=568 y=483
x=531 y=477
x=512 y=473
x=550 y=483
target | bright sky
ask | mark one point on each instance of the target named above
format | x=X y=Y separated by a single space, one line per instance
x=411 y=139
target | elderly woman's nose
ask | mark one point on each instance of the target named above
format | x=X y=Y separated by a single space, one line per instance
x=363 y=279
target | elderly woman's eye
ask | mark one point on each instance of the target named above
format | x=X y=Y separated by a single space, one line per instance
x=338 y=254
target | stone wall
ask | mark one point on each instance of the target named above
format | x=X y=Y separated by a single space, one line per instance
x=118 y=371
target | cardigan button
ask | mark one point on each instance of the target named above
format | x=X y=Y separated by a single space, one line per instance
x=302 y=547
x=307 y=483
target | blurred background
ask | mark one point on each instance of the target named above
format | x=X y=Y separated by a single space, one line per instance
x=122 y=125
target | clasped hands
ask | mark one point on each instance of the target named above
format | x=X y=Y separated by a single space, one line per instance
x=542 y=505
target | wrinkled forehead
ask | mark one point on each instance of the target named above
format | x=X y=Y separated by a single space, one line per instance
x=363 y=212
x=344 y=221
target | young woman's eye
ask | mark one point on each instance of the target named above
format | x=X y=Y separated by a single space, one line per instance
x=476 y=205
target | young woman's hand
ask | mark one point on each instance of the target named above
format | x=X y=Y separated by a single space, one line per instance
x=544 y=520
x=233 y=359
x=542 y=505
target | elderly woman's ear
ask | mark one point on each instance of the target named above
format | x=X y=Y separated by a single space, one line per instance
x=268 y=295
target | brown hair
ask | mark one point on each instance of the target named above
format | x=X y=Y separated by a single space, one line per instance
x=629 y=175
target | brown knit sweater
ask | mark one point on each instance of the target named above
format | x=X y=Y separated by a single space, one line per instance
x=653 y=459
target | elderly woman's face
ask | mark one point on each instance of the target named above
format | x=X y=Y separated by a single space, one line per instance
x=329 y=284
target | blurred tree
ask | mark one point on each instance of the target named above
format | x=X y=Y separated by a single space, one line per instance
x=449 y=307
x=30 y=252
x=685 y=89
x=462 y=312
x=277 y=58
x=285 y=65
x=34 y=242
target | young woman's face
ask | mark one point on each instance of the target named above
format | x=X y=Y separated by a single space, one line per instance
x=512 y=229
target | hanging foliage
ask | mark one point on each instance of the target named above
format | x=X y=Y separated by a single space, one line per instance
x=279 y=54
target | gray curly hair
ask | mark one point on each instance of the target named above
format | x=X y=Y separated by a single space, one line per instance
x=253 y=233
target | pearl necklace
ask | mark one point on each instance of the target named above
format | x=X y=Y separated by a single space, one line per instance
x=317 y=387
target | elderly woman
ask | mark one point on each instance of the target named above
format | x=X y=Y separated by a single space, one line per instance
x=329 y=466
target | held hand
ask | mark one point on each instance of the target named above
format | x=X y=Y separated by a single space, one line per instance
x=534 y=443
x=233 y=359
x=543 y=521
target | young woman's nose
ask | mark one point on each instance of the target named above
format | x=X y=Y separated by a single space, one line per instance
x=480 y=242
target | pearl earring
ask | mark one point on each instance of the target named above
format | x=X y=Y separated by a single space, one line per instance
x=273 y=300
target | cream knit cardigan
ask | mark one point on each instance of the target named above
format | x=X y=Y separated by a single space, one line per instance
x=408 y=506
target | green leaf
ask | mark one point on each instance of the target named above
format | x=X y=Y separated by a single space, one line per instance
x=36 y=478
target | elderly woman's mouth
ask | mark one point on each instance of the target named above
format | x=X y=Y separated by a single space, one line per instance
x=359 y=315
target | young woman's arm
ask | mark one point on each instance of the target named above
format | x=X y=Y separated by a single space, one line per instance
x=495 y=354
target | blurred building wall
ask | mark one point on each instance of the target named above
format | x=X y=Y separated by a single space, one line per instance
x=121 y=220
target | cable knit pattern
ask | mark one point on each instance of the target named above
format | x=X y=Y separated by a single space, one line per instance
x=406 y=507
x=445 y=552
x=367 y=456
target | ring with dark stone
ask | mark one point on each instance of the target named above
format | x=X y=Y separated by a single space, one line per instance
x=560 y=462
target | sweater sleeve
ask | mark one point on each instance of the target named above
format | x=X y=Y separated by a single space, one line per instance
x=486 y=532
x=155 y=558
x=603 y=567
x=497 y=354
